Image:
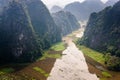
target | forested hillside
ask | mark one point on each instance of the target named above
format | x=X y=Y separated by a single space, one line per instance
x=42 y=22
x=26 y=28
x=66 y=22
x=103 y=34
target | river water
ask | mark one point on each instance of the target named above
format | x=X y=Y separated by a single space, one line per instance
x=72 y=65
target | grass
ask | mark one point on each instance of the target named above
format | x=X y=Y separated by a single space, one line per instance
x=38 y=69
x=48 y=55
x=58 y=46
x=70 y=35
x=103 y=79
x=106 y=74
x=6 y=70
x=97 y=56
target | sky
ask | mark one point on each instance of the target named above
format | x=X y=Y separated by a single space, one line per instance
x=61 y=3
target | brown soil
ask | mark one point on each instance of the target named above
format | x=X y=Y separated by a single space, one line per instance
x=93 y=69
x=26 y=72
x=46 y=65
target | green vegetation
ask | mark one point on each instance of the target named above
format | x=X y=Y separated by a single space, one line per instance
x=66 y=22
x=35 y=33
x=70 y=35
x=104 y=34
x=48 y=55
x=97 y=56
x=15 y=77
x=38 y=69
x=106 y=74
x=4 y=77
x=6 y=70
x=103 y=79
x=112 y=62
x=58 y=46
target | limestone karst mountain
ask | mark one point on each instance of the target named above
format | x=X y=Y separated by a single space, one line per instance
x=66 y=22
x=55 y=9
x=25 y=31
x=103 y=33
x=111 y=2
x=83 y=10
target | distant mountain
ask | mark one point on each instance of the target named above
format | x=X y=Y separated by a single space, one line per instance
x=66 y=22
x=26 y=28
x=55 y=9
x=83 y=10
x=111 y=2
x=4 y=3
x=103 y=33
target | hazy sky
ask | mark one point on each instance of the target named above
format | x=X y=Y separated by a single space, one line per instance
x=61 y=3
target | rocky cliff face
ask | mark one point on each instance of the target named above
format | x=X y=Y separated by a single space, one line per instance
x=83 y=10
x=17 y=37
x=42 y=22
x=3 y=4
x=66 y=22
x=26 y=28
x=103 y=30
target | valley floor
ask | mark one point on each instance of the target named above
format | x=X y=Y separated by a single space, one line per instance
x=59 y=64
x=72 y=65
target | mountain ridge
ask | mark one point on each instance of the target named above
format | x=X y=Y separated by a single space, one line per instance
x=66 y=22
x=102 y=33
x=25 y=32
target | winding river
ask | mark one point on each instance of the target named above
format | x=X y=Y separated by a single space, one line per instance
x=72 y=65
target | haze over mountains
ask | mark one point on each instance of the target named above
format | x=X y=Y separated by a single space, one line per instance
x=27 y=28
x=55 y=9
x=83 y=10
x=66 y=22
x=31 y=40
x=111 y=2
x=62 y=3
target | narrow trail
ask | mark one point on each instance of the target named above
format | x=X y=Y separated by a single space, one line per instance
x=72 y=65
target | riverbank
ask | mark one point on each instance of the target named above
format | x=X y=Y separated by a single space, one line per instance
x=95 y=62
x=38 y=70
x=72 y=65
x=99 y=70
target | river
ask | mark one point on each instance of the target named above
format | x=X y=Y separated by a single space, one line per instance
x=72 y=65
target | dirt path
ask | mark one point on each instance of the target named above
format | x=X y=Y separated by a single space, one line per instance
x=72 y=65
